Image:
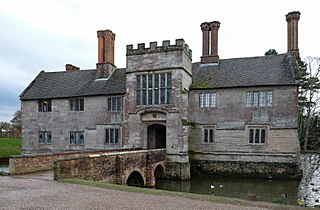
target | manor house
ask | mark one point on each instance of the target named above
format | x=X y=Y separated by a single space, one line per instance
x=235 y=115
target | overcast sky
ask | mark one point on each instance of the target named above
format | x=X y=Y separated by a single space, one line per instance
x=47 y=34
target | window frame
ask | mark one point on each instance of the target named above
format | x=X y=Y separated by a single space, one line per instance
x=208 y=100
x=45 y=105
x=112 y=135
x=257 y=135
x=208 y=135
x=259 y=99
x=115 y=103
x=154 y=89
x=77 y=138
x=76 y=104
x=47 y=137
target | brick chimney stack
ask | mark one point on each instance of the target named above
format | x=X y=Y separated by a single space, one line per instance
x=70 y=67
x=105 y=65
x=292 y=20
x=210 y=42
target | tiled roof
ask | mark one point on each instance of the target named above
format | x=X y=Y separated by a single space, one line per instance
x=78 y=83
x=244 y=72
x=236 y=72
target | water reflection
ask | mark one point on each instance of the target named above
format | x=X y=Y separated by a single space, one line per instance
x=4 y=169
x=253 y=189
x=306 y=191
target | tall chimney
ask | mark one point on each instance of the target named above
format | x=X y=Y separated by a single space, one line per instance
x=292 y=20
x=210 y=42
x=105 y=65
x=205 y=38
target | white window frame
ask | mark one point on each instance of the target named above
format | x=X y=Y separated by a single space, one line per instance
x=208 y=100
x=259 y=98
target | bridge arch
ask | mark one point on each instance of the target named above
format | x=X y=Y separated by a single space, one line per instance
x=159 y=172
x=135 y=179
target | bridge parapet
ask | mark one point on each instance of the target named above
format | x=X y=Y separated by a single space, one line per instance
x=113 y=167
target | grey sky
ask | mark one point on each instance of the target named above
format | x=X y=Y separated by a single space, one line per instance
x=46 y=34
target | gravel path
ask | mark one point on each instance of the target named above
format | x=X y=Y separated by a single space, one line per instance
x=40 y=191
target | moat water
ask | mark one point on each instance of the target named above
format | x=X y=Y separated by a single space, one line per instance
x=294 y=192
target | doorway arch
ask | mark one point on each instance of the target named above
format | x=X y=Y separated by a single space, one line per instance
x=157 y=136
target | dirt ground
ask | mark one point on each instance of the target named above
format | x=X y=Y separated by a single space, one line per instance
x=40 y=191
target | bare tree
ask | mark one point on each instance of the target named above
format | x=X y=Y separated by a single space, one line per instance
x=309 y=85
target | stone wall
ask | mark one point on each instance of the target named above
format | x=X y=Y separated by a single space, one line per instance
x=40 y=162
x=60 y=121
x=231 y=121
x=174 y=59
x=113 y=167
x=245 y=169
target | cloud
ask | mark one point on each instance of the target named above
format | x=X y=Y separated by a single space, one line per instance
x=25 y=51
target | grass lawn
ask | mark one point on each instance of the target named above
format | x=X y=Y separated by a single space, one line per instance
x=10 y=146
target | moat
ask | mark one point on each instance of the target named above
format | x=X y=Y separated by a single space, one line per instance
x=291 y=191
x=268 y=190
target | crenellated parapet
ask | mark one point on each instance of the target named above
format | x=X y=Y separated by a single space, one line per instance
x=180 y=45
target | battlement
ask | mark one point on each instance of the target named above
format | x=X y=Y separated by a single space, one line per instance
x=154 y=48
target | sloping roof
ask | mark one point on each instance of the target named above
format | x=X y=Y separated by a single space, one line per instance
x=244 y=72
x=79 y=83
x=235 y=72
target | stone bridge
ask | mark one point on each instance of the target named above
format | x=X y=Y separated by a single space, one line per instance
x=135 y=168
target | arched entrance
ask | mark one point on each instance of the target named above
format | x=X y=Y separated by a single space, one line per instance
x=135 y=179
x=156 y=136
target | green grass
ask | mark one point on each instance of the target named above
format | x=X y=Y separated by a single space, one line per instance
x=10 y=146
x=208 y=198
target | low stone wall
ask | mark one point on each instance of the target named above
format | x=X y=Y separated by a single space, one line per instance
x=90 y=167
x=245 y=169
x=245 y=164
x=23 y=164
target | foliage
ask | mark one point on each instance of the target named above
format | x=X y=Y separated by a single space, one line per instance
x=271 y=52
x=10 y=146
x=16 y=120
x=308 y=99
x=12 y=128
x=279 y=200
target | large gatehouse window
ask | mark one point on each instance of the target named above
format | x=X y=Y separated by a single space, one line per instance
x=153 y=89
